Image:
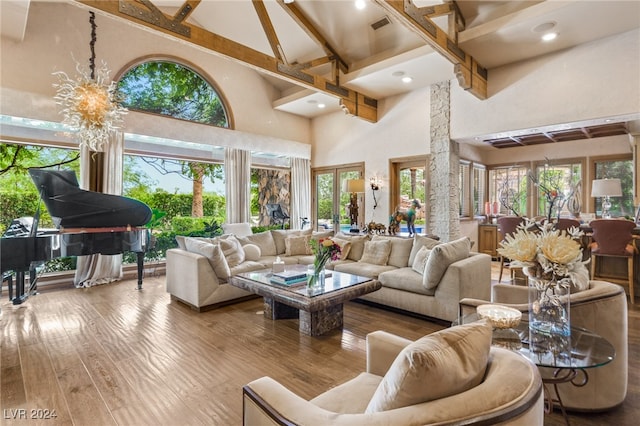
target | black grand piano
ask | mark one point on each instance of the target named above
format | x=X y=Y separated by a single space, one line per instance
x=86 y=223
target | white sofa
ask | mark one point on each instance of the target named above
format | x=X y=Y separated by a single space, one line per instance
x=451 y=275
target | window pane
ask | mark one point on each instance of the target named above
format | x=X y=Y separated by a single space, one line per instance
x=171 y=89
x=623 y=170
x=479 y=177
x=508 y=187
x=555 y=182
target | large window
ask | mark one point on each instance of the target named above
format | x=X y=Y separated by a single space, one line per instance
x=472 y=188
x=620 y=168
x=560 y=177
x=508 y=187
x=175 y=90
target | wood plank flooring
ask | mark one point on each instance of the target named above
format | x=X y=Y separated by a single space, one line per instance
x=113 y=355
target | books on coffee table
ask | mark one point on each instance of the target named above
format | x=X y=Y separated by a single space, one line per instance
x=289 y=277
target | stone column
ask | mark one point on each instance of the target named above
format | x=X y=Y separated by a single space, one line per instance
x=444 y=202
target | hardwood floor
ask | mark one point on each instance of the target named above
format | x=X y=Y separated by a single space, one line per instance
x=115 y=355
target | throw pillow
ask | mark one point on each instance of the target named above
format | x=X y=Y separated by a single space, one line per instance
x=295 y=246
x=264 y=240
x=345 y=247
x=400 y=250
x=233 y=251
x=376 y=252
x=441 y=364
x=420 y=262
x=279 y=237
x=251 y=252
x=213 y=253
x=357 y=244
x=237 y=229
x=180 y=241
x=418 y=242
x=443 y=255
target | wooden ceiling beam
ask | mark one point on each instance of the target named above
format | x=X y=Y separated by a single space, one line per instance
x=301 y=19
x=269 y=30
x=352 y=102
x=471 y=76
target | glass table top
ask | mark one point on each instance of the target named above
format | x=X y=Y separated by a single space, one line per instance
x=589 y=350
x=334 y=281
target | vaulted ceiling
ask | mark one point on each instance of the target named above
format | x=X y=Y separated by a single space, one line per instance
x=331 y=53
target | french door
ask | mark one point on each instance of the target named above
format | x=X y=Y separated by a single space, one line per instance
x=330 y=200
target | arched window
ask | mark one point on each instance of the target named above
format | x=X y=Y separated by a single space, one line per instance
x=168 y=88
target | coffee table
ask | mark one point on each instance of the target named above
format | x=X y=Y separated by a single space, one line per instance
x=319 y=310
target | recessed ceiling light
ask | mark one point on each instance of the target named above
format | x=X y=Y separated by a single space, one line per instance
x=321 y=106
x=407 y=79
x=360 y=4
x=398 y=74
x=543 y=28
x=549 y=36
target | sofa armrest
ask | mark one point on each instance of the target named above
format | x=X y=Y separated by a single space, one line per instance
x=189 y=276
x=510 y=294
x=469 y=277
x=382 y=349
x=267 y=402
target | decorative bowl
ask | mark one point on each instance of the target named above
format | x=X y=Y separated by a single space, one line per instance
x=500 y=316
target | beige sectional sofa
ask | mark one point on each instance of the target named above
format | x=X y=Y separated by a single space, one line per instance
x=419 y=275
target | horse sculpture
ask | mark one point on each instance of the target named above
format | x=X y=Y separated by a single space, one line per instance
x=409 y=216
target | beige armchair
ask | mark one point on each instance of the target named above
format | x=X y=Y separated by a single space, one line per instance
x=509 y=393
x=602 y=308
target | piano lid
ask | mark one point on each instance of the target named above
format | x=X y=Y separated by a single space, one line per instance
x=72 y=207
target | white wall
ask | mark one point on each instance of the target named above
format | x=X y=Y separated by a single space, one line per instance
x=401 y=131
x=594 y=80
x=58 y=32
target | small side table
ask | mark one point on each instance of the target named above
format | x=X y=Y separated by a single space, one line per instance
x=589 y=350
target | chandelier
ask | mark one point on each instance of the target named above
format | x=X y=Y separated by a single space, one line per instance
x=90 y=103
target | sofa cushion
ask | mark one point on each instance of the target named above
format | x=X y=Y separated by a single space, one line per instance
x=345 y=247
x=212 y=252
x=251 y=252
x=420 y=261
x=418 y=242
x=295 y=246
x=237 y=229
x=350 y=397
x=180 y=242
x=264 y=240
x=279 y=237
x=376 y=252
x=360 y=268
x=443 y=255
x=400 y=250
x=247 y=266
x=232 y=250
x=441 y=364
x=357 y=244
x=405 y=279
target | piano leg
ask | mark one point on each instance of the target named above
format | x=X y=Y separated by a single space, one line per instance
x=20 y=294
x=140 y=258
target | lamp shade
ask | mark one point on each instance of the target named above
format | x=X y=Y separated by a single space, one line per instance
x=606 y=187
x=354 y=185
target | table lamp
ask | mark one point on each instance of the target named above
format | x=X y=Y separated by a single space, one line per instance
x=606 y=188
x=354 y=186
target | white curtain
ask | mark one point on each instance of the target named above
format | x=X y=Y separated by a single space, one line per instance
x=101 y=269
x=300 y=191
x=237 y=172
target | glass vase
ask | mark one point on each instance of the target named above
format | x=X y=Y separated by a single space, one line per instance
x=549 y=321
x=315 y=277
